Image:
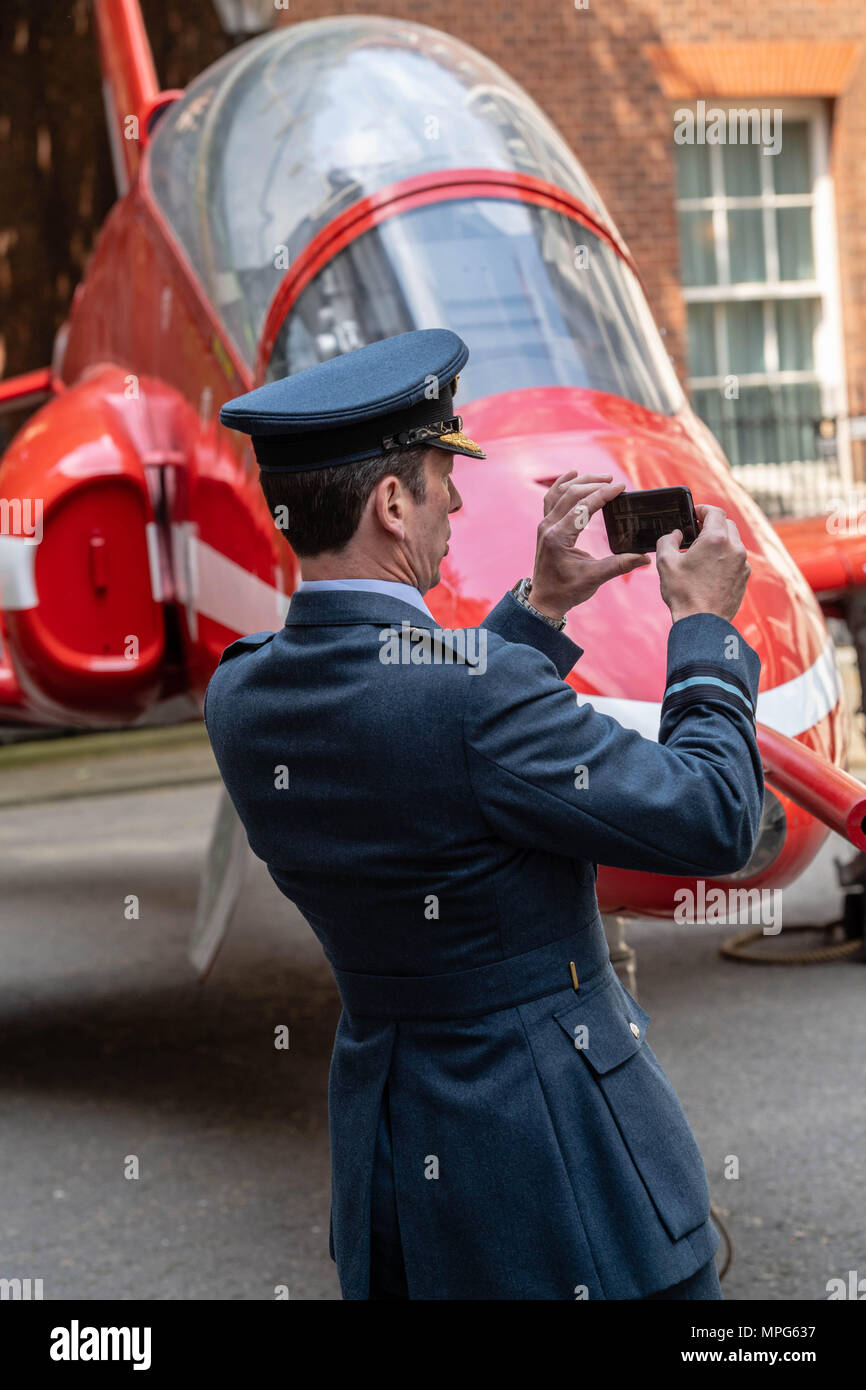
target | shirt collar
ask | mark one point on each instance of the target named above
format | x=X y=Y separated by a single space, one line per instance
x=407 y=592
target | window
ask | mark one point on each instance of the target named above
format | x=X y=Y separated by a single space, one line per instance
x=758 y=276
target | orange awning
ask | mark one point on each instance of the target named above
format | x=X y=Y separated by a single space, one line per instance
x=782 y=68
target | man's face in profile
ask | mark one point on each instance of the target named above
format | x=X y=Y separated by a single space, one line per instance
x=428 y=528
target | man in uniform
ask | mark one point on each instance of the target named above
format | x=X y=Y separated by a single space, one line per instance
x=499 y=1126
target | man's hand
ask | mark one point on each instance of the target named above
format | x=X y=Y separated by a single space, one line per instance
x=709 y=577
x=563 y=575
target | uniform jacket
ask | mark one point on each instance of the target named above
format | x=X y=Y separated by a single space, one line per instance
x=438 y=821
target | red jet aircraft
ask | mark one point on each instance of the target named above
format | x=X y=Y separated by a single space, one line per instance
x=321 y=187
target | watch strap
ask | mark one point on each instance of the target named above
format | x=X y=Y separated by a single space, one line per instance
x=520 y=591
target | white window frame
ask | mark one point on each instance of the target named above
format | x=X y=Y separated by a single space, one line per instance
x=828 y=344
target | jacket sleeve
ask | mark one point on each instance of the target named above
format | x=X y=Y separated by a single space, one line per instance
x=550 y=772
x=510 y=620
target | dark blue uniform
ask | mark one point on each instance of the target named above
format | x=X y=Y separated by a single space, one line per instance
x=433 y=837
x=500 y=1126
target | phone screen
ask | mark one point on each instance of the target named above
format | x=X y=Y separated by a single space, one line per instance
x=636 y=520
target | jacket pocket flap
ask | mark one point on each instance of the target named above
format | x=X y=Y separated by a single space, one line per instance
x=608 y=1027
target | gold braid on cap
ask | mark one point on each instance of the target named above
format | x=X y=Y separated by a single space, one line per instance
x=457 y=437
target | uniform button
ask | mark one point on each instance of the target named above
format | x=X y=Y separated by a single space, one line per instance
x=634 y=1028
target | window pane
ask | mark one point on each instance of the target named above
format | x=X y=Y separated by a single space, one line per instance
x=717 y=414
x=773 y=425
x=702 y=341
x=693 y=171
x=799 y=409
x=794 y=236
x=756 y=426
x=745 y=337
x=741 y=170
x=697 y=248
x=796 y=320
x=746 y=245
x=763 y=425
x=791 y=165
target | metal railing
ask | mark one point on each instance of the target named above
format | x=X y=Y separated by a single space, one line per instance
x=794 y=464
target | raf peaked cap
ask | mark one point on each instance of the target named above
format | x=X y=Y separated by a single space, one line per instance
x=394 y=394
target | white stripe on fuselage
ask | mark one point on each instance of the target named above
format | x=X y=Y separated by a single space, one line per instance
x=790 y=708
x=226 y=592
x=17 y=577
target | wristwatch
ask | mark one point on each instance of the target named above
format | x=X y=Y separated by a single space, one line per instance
x=521 y=592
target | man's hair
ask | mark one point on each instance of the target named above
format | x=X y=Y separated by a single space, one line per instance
x=320 y=509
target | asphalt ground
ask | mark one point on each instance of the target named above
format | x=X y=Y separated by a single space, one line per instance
x=113 y=1049
x=115 y=1057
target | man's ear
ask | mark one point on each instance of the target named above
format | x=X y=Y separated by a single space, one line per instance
x=389 y=496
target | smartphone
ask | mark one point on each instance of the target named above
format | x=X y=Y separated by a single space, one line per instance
x=635 y=520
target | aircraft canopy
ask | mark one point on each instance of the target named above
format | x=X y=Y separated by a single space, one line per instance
x=278 y=136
